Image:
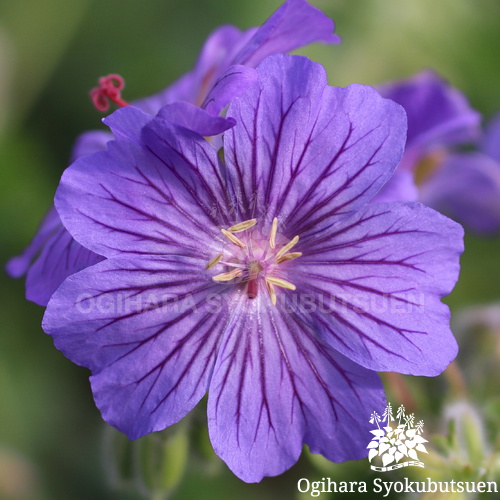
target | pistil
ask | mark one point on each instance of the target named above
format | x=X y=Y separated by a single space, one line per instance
x=253 y=284
x=109 y=89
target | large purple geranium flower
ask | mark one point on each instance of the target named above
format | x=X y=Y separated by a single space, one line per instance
x=223 y=70
x=267 y=279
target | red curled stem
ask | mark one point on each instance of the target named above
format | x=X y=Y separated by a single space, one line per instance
x=109 y=89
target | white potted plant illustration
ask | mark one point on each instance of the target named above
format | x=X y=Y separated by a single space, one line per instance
x=396 y=440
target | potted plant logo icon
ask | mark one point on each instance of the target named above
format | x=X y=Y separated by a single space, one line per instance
x=396 y=440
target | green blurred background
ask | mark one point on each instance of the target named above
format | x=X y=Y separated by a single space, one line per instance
x=51 y=54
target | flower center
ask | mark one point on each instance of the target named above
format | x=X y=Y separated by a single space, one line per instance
x=255 y=260
x=428 y=165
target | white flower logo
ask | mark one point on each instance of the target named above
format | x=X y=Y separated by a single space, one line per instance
x=392 y=443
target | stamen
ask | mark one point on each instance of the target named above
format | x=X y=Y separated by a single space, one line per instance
x=272 y=292
x=242 y=226
x=109 y=89
x=287 y=247
x=280 y=282
x=272 y=236
x=288 y=256
x=233 y=239
x=213 y=262
x=228 y=276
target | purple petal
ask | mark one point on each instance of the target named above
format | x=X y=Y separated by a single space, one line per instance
x=467 y=188
x=196 y=119
x=491 y=139
x=19 y=265
x=375 y=281
x=400 y=187
x=147 y=331
x=61 y=256
x=154 y=191
x=232 y=84
x=293 y=25
x=216 y=57
x=438 y=114
x=127 y=123
x=181 y=90
x=277 y=386
x=90 y=142
x=306 y=152
x=52 y=256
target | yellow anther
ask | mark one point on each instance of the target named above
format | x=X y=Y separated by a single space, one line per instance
x=288 y=256
x=213 y=262
x=280 y=282
x=272 y=292
x=228 y=276
x=287 y=247
x=272 y=236
x=233 y=239
x=242 y=226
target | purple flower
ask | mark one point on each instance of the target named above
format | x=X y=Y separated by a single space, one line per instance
x=266 y=279
x=223 y=71
x=464 y=186
x=467 y=185
x=439 y=117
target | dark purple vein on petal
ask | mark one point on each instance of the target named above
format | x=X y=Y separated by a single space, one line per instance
x=306 y=333
x=274 y=155
x=162 y=304
x=308 y=217
x=358 y=331
x=210 y=357
x=189 y=189
x=171 y=201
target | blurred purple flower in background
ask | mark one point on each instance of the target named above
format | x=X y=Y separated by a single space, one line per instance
x=463 y=185
x=223 y=71
x=266 y=279
x=439 y=117
x=467 y=186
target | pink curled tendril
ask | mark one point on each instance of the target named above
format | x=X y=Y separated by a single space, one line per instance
x=109 y=89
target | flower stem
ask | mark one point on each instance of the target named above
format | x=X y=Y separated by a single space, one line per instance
x=401 y=390
x=456 y=380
